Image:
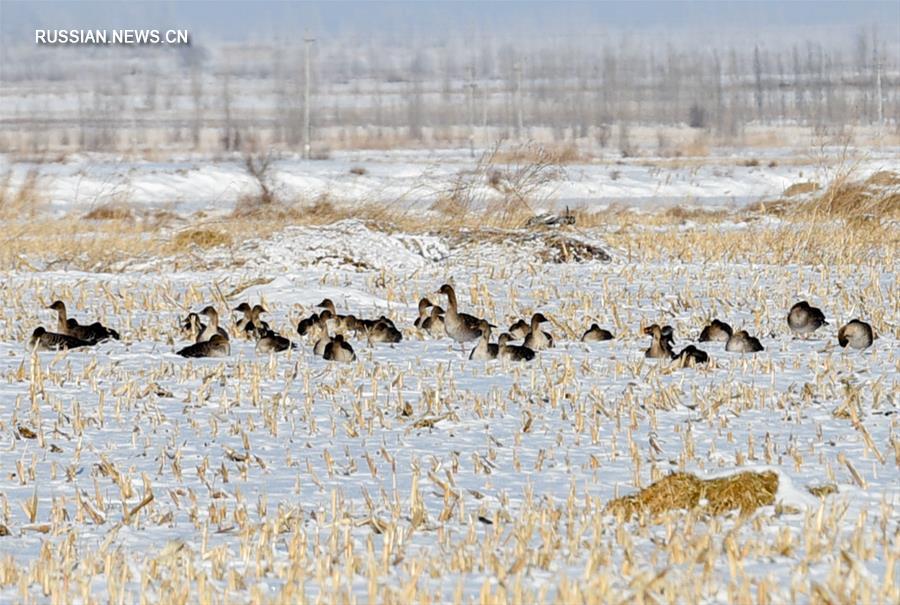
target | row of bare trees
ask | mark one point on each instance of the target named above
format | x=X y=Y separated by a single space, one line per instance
x=230 y=97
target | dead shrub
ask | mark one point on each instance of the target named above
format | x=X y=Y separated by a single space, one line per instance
x=745 y=491
x=358 y=171
x=884 y=178
x=856 y=200
x=25 y=200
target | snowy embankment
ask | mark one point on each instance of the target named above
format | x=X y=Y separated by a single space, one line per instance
x=415 y=473
x=417 y=179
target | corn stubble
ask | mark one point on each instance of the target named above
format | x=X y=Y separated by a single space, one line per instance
x=580 y=478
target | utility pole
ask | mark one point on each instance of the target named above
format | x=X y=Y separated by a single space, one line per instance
x=307 y=128
x=471 y=106
x=517 y=68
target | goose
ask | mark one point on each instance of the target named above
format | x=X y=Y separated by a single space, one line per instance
x=216 y=346
x=518 y=330
x=742 y=342
x=537 y=339
x=661 y=347
x=240 y=326
x=318 y=335
x=191 y=326
x=339 y=350
x=383 y=331
x=717 y=331
x=596 y=334
x=434 y=323
x=461 y=327
x=212 y=327
x=91 y=334
x=856 y=333
x=804 y=320
x=344 y=323
x=691 y=355
x=424 y=303
x=256 y=327
x=42 y=340
x=306 y=324
x=513 y=352
x=271 y=342
x=485 y=350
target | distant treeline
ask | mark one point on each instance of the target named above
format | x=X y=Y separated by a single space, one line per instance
x=395 y=93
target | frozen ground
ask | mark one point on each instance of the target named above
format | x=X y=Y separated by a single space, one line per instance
x=418 y=178
x=416 y=475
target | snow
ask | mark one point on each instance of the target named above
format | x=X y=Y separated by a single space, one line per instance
x=297 y=434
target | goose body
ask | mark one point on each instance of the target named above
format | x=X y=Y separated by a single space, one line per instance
x=857 y=334
x=804 y=319
x=305 y=325
x=383 y=332
x=240 y=326
x=537 y=339
x=742 y=342
x=661 y=347
x=212 y=328
x=424 y=304
x=192 y=327
x=461 y=327
x=434 y=323
x=716 y=331
x=339 y=350
x=91 y=334
x=256 y=327
x=691 y=355
x=42 y=340
x=513 y=352
x=216 y=346
x=519 y=330
x=485 y=350
x=270 y=342
x=596 y=334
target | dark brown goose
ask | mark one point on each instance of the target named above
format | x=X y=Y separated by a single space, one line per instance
x=856 y=333
x=537 y=339
x=690 y=356
x=91 y=334
x=306 y=324
x=339 y=350
x=716 y=331
x=661 y=347
x=337 y=322
x=212 y=327
x=803 y=319
x=424 y=304
x=42 y=340
x=270 y=342
x=742 y=342
x=519 y=330
x=461 y=327
x=216 y=346
x=434 y=323
x=485 y=350
x=513 y=352
x=596 y=334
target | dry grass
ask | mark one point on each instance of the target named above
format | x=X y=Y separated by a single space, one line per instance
x=22 y=201
x=801 y=188
x=112 y=211
x=199 y=238
x=745 y=491
x=877 y=197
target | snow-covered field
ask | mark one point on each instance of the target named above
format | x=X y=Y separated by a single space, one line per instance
x=733 y=178
x=416 y=475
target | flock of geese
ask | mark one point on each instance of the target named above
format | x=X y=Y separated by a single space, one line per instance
x=327 y=332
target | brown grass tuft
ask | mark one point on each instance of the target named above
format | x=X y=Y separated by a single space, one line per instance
x=113 y=211
x=801 y=188
x=856 y=200
x=746 y=491
x=201 y=237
